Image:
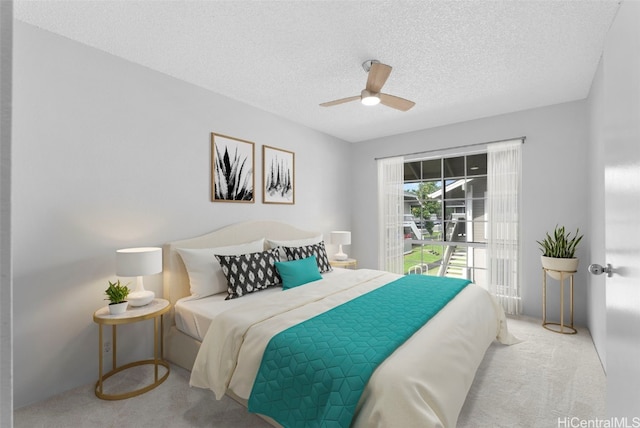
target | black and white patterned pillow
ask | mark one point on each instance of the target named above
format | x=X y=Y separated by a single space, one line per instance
x=251 y=272
x=318 y=250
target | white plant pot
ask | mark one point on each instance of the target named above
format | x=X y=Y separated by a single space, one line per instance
x=118 y=308
x=556 y=266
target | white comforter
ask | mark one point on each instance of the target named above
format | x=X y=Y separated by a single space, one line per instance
x=423 y=383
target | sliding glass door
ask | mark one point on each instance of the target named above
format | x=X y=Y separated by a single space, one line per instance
x=445 y=224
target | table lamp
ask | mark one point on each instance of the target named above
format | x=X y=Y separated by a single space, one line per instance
x=138 y=262
x=341 y=238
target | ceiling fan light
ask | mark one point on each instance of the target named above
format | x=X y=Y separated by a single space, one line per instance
x=369 y=99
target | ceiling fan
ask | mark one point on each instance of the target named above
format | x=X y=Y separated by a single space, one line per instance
x=371 y=95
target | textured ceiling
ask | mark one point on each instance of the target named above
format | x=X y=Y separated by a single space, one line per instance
x=458 y=60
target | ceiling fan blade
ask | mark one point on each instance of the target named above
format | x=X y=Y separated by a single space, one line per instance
x=378 y=74
x=340 y=101
x=396 y=102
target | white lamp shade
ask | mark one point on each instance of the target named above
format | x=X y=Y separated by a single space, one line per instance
x=341 y=237
x=138 y=261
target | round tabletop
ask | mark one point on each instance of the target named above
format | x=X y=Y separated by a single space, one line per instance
x=155 y=308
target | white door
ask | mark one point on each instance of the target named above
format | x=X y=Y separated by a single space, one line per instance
x=621 y=70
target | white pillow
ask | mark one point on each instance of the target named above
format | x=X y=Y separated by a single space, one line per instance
x=273 y=243
x=205 y=273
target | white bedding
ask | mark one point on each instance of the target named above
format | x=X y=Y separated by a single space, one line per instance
x=423 y=383
x=193 y=317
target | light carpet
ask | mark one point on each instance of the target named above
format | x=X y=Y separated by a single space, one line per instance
x=546 y=378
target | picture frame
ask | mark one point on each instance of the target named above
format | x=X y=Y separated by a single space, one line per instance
x=232 y=169
x=278 y=176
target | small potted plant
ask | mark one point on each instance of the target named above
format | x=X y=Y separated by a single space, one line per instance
x=559 y=250
x=117 y=295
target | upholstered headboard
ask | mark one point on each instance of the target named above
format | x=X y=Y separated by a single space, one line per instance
x=175 y=277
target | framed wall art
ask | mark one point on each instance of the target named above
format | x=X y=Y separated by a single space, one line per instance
x=232 y=167
x=278 y=182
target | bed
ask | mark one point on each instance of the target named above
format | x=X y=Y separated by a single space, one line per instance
x=424 y=382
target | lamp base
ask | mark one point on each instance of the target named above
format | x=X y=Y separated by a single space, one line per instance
x=340 y=256
x=140 y=298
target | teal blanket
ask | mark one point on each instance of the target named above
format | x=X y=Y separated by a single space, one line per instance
x=313 y=374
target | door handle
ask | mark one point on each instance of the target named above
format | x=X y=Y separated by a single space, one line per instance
x=596 y=269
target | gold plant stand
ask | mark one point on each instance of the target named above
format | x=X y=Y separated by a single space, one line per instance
x=558 y=327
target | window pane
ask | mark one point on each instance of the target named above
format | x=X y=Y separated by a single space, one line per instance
x=454 y=167
x=480 y=258
x=477 y=231
x=431 y=169
x=411 y=231
x=410 y=187
x=423 y=259
x=431 y=190
x=477 y=164
x=412 y=171
x=455 y=189
x=477 y=187
x=457 y=262
x=456 y=231
x=454 y=209
x=432 y=220
x=411 y=201
x=476 y=210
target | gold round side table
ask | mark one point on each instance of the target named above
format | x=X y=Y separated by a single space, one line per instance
x=558 y=327
x=346 y=264
x=153 y=310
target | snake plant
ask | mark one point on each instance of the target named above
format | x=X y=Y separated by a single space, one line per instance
x=561 y=245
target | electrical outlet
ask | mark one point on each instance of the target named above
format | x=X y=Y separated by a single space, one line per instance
x=107 y=347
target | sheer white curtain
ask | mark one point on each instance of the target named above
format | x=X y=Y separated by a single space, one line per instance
x=390 y=214
x=504 y=163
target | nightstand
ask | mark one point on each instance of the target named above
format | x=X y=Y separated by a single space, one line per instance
x=347 y=264
x=153 y=310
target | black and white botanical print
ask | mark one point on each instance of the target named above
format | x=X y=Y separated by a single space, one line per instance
x=279 y=178
x=232 y=169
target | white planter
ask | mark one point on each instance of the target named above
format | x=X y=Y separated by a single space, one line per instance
x=556 y=266
x=118 y=308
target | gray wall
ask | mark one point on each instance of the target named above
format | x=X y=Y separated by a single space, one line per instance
x=109 y=154
x=6 y=288
x=553 y=186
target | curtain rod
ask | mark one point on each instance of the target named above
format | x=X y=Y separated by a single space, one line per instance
x=451 y=148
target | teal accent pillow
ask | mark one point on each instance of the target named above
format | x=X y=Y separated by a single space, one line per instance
x=298 y=272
